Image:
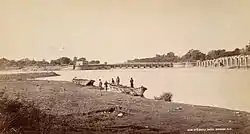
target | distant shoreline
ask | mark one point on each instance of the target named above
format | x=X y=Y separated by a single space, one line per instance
x=26 y=76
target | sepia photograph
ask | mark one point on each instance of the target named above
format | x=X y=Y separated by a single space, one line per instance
x=124 y=66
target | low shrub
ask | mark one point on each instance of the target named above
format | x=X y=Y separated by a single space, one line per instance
x=165 y=96
x=16 y=116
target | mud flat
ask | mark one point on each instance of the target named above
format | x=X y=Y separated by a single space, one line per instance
x=38 y=68
x=25 y=76
x=60 y=106
x=47 y=68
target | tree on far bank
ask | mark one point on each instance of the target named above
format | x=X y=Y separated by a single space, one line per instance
x=214 y=54
x=61 y=61
x=247 y=49
x=12 y=63
x=94 y=62
x=82 y=59
x=65 y=61
x=42 y=63
x=3 y=62
x=54 y=62
x=193 y=55
x=237 y=51
x=171 y=57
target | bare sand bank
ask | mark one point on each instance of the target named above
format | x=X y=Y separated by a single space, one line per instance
x=25 y=76
x=38 y=68
x=65 y=107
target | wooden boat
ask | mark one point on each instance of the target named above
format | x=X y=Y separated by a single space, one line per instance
x=83 y=82
x=128 y=90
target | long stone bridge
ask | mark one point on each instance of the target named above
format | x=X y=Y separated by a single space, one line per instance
x=142 y=65
x=123 y=65
x=241 y=61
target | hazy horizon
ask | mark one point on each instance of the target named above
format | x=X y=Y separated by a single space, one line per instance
x=120 y=30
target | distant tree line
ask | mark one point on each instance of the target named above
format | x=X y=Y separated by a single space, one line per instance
x=21 y=63
x=191 y=55
x=27 y=62
x=194 y=55
x=89 y=62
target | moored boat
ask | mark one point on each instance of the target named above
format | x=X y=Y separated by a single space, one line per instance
x=128 y=90
x=83 y=82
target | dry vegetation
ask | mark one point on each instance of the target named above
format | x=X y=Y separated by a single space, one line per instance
x=18 y=116
x=165 y=97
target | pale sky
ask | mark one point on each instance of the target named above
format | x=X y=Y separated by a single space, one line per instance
x=119 y=30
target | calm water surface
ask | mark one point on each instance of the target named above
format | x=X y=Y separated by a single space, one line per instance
x=202 y=86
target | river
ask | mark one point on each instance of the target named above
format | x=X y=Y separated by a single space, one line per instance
x=201 y=86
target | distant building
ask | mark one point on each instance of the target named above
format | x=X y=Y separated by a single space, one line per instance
x=80 y=63
x=75 y=59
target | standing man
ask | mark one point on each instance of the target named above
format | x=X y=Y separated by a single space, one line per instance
x=113 y=81
x=100 y=86
x=118 y=81
x=132 y=82
x=106 y=85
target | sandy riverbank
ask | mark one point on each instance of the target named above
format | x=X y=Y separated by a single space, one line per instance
x=38 y=68
x=64 y=106
x=25 y=76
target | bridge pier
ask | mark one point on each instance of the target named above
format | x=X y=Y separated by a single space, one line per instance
x=233 y=61
x=224 y=62
x=228 y=61
x=247 y=62
x=204 y=63
x=237 y=61
x=211 y=63
x=198 y=63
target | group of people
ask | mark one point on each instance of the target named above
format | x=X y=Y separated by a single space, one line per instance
x=115 y=83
